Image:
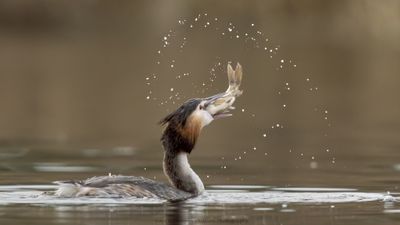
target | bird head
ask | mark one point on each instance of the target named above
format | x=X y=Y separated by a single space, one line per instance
x=183 y=125
x=200 y=112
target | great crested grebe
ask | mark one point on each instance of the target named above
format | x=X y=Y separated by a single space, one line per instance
x=179 y=137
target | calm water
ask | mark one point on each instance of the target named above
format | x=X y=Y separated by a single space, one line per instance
x=340 y=195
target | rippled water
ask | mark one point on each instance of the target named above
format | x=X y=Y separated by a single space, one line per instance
x=221 y=204
x=344 y=202
x=224 y=194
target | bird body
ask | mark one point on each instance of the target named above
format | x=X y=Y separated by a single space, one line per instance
x=120 y=186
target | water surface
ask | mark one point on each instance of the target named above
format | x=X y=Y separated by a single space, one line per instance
x=318 y=201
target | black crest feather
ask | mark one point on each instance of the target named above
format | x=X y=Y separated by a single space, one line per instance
x=172 y=138
x=180 y=115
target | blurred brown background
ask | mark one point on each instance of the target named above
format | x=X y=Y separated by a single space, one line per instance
x=72 y=72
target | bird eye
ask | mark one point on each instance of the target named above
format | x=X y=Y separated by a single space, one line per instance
x=201 y=107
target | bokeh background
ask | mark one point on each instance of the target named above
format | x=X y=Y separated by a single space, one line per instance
x=72 y=82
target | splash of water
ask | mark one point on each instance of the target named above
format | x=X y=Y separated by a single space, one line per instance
x=176 y=47
x=218 y=194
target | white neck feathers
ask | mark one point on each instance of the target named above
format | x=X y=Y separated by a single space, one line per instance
x=181 y=175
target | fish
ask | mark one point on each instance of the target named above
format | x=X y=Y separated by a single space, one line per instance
x=222 y=102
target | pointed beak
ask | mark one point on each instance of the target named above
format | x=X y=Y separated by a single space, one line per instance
x=212 y=99
x=219 y=105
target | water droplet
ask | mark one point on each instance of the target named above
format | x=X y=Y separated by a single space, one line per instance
x=282 y=61
x=172 y=89
x=264 y=135
x=242 y=110
x=229 y=29
x=252 y=24
x=148 y=97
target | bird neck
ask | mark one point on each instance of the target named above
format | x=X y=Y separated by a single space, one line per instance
x=180 y=174
x=178 y=142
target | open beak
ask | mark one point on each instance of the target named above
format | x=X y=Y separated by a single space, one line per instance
x=219 y=105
